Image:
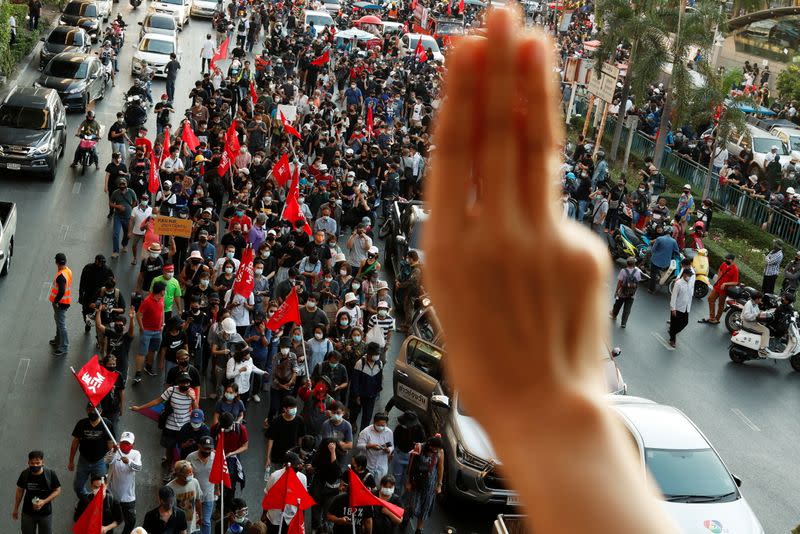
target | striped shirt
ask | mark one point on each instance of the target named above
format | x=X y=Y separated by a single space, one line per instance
x=773 y=262
x=386 y=323
x=181 y=407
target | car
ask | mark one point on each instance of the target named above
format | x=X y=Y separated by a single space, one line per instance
x=154 y=50
x=33 y=125
x=408 y=45
x=789 y=137
x=419 y=384
x=699 y=492
x=332 y=6
x=205 y=8
x=83 y=14
x=8 y=227
x=158 y=23
x=318 y=19
x=79 y=79
x=403 y=232
x=63 y=39
x=103 y=9
x=179 y=9
x=760 y=142
x=392 y=28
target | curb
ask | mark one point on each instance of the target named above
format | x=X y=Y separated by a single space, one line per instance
x=25 y=62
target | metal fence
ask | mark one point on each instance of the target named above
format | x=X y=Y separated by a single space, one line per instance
x=730 y=198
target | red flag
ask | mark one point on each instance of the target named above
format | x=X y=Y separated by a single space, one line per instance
x=224 y=164
x=288 y=489
x=189 y=137
x=288 y=128
x=361 y=496
x=370 y=121
x=253 y=94
x=221 y=53
x=321 y=60
x=219 y=469
x=244 y=283
x=153 y=181
x=460 y=7
x=95 y=380
x=420 y=52
x=288 y=312
x=293 y=213
x=232 y=145
x=413 y=5
x=165 y=146
x=281 y=170
x=91 y=520
x=449 y=8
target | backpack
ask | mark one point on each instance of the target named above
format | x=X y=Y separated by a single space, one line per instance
x=629 y=285
x=240 y=29
x=659 y=182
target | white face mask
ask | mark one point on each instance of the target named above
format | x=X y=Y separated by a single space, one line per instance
x=379 y=428
x=285 y=351
x=383 y=313
x=228 y=270
x=318 y=335
x=376 y=358
x=204 y=283
x=229 y=255
x=258 y=272
x=355 y=286
x=311 y=305
x=168 y=275
x=387 y=492
x=196 y=425
x=343 y=272
x=265 y=254
x=154 y=255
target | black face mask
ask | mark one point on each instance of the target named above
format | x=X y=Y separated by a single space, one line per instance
x=183 y=389
x=118 y=328
x=204 y=454
x=36 y=469
x=183 y=363
x=195 y=311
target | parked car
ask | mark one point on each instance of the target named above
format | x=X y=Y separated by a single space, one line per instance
x=33 y=125
x=79 y=79
x=8 y=227
x=204 y=8
x=760 y=142
x=153 y=51
x=63 y=39
x=158 y=23
x=82 y=14
x=789 y=137
x=332 y=6
x=403 y=232
x=179 y=9
x=408 y=44
x=319 y=19
x=700 y=493
x=104 y=9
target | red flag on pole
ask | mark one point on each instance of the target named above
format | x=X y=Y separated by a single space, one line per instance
x=165 y=146
x=449 y=8
x=95 y=380
x=297 y=525
x=460 y=7
x=219 y=469
x=154 y=180
x=224 y=163
x=420 y=52
x=232 y=145
x=253 y=94
x=91 y=520
x=321 y=60
x=189 y=137
x=370 y=122
x=281 y=170
x=288 y=128
x=221 y=53
x=361 y=496
x=293 y=213
x=413 y=5
x=288 y=489
x=245 y=282
x=288 y=312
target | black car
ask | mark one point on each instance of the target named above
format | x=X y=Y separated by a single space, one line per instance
x=32 y=130
x=78 y=78
x=83 y=14
x=403 y=232
x=63 y=39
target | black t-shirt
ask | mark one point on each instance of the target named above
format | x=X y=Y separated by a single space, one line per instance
x=381 y=524
x=37 y=486
x=340 y=507
x=119 y=344
x=174 y=525
x=150 y=269
x=284 y=435
x=93 y=439
x=111 y=402
x=114 y=170
x=115 y=129
x=172 y=344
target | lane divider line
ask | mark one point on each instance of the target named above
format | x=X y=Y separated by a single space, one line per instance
x=44 y=291
x=63 y=232
x=663 y=341
x=76 y=188
x=24 y=363
x=746 y=420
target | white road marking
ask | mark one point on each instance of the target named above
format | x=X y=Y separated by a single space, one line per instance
x=63 y=232
x=76 y=188
x=23 y=366
x=746 y=420
x=663 y=341
x=44 y=291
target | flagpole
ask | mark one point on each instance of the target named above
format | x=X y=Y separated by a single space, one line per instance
x=305 y=361
x=353 y=519
x=222 y=505
x=102 y=422
x=280 y=523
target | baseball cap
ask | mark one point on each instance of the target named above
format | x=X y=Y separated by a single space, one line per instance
x=61 y=258
x=373 y=250
x=229 y=325
x=183 y=377
x=206 y=442
x=208 y=210
x=127 y=437
x=197 y=416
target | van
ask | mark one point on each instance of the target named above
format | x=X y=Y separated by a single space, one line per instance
x=318 y=19
x=408 y=45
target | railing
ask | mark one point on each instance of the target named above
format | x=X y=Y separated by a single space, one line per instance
x=730 y=198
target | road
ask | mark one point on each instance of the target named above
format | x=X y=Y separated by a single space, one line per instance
x=744 y=410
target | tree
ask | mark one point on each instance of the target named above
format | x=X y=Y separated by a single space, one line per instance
x=788 y=83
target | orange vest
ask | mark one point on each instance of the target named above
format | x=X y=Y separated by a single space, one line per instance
x=67 y=297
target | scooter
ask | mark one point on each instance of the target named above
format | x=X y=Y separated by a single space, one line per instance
x=87 y=144
x=701 y=269
x=737 y=297
x=745 y=343
x=626 y=242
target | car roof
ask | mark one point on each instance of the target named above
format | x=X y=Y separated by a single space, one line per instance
x=28 y=96
x=66 y=29
x=158 y=37
x=81 y=2
x=755 y=131
x=787 y=131
x=159 y=16
x=659 y=426
x=419 y=35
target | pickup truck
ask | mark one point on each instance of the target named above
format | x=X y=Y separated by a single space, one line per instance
x=8 y=226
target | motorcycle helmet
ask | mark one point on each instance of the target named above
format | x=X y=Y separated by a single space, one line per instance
x=89 y=115
x=106 y=43
x=699 y=226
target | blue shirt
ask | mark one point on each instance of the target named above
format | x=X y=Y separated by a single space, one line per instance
x=664 y=249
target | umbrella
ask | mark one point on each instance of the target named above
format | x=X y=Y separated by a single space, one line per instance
x=744 y=108
x=361 y=35
x=367 y=5
x=368 y=19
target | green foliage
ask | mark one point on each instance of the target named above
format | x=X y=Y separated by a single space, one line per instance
x=788 y=83
x=10 y=56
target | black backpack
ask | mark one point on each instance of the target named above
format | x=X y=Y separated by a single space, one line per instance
x=629 y=284
x=240 y=29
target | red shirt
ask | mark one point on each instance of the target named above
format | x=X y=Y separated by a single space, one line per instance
x=152 y=310
x=244 y=220
x=727 y=273
x=233 y=440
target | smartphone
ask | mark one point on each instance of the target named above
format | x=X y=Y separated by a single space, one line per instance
x=136 y=300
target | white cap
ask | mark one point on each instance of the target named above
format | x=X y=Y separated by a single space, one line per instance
x=687 y=186
x=127 y=437
x=339 y=256
x=271 y=232
x=167 y=183
x=774 y=147
x=790 y=190
x=196 y=255
x=349 y=297
x=373 y=250
x=383 y=304
x=351 y=173
x=383 y=284
x=229 y=325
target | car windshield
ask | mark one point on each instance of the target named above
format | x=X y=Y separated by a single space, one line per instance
x=81 y=9
x=319 y=20
x=173 y=2
x=156 y=46
x=24 y=118
x=70 y=38
x=689 y=473
x=67 y=69
x=794 y=142
x=166 y=23
x=448 y=28
x=763 y=145
x=427 y=43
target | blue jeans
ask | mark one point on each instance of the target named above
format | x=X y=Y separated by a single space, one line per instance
x=82 y=472
x=120 y=149
x=582 y=209
x=205 y=521
x=62 y=339
x=398 y=468
x=149 y=341
x=167 y=366
x=120 y=225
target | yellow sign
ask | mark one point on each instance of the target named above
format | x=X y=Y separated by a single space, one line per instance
x=173 y=226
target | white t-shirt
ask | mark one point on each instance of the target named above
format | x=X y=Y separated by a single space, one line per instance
x=239 y=313
x=208 y=49
x=139 y=215
x=122 y=476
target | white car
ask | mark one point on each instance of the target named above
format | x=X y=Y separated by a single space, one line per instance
x=790 y=137
x=179 y=9
x=153 y=51
x=700 y=493
x=392 y=27
x=103 y=9
x=205 y=8
x=158 y=23
x=409 y=45
x=760 y=142
x=332 y=6
x=318 y=19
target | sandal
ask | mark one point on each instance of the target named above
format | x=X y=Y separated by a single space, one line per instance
x=704 y=320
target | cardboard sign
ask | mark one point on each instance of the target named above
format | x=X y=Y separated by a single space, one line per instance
x=290 y=112
x=173 y=226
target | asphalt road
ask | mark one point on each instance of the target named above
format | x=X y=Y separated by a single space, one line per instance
x=744 y=410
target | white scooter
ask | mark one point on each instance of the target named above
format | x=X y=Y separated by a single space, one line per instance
x=745 y=343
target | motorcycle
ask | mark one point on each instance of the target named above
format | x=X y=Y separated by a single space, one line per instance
x=135 y=114
x=700 y=267
x=745 y=343
x=88 y=156
x=736 y=298
x=626 y=242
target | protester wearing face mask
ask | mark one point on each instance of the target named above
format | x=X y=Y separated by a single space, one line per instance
x=201 y=461
x=239 y=369
x=188 y=494
x=311 y=316
x=283 y=431
x=113 y=403
x=173 y=291
x=377 y=440
x=236 y=443
x=91 y=438
x=230 y=403
x=228 y=259
x=37 y=487
x=112 y=512
x=385 y=323
x=352 y=309
x=123 y=463
x=166 y=517
x=365 y=385
x=191 y=433
x=207 y=250
x=384 y=521
x=236 y=514
x=424 y=482
x=224 y=281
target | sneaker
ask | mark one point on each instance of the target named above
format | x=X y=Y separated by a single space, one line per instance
x=59 y=353
x=622 y=326
x=114 y=255
x=149 y=370
x=124 y=250
x=137 y=377
x=74 y=164
x=133 y=261
x=87 y=328
x=53 y=342
x=256 y=398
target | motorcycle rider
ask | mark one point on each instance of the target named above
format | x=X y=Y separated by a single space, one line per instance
x=791 y=274
x=784 y=312
x=88 y=127
x=108 y=57
x=750 y=316
x=135 y=113
x=695 y=240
